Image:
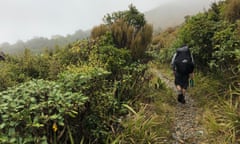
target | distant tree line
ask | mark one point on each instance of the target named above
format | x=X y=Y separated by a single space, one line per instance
x=39 y=44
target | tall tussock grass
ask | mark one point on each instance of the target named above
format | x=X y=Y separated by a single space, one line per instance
x=143 y=128
x=221 y=108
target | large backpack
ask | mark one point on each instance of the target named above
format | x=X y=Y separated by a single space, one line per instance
x=183 y=61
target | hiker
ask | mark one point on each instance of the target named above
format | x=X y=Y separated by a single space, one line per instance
x=183 y=66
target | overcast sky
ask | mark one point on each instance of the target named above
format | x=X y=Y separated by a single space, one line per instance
x=25 y=19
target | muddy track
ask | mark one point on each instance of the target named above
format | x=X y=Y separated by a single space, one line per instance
x=186 y=128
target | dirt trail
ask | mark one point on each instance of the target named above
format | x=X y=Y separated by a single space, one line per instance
x=186 y=126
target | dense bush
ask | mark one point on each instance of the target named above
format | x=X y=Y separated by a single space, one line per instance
x=30 y=111
x=82 y=103
x=115 y=60
x=94 y=122
x=8 y=75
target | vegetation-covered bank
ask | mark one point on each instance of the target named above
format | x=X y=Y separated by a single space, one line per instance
x=214 y=39
x=101 y=90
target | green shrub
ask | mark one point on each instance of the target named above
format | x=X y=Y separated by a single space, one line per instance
x=29 y=111
x=98 y=117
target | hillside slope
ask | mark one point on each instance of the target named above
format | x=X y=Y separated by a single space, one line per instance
x=173 y=13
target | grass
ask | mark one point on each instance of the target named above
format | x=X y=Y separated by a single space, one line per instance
x=152 y=122
x=220 y=109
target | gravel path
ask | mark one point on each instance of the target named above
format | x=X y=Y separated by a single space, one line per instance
x=186 y=126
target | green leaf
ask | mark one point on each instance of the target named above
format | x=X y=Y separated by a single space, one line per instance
x=38 y=125
x=130 y=108
x=54 y=117
x=2 y=125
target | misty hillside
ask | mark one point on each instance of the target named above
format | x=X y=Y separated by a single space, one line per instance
x=173 y=13
x=39 y=44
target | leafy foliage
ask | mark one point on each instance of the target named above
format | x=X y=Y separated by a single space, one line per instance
x=115 y=59
x=91 y=82
x=197 y=33
x=225 y=42
x=132 y=17
x=8 y=77
x=29 y=111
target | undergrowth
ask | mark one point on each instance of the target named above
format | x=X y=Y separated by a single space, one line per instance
x=152 y=123
x=219 y=104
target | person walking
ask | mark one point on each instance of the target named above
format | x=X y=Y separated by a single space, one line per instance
x=183 y=66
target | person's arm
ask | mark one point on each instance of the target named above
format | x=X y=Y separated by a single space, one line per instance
x=192 y=59
x=173 y=63
x=191 y=75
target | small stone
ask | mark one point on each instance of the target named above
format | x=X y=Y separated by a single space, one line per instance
x=199 y=133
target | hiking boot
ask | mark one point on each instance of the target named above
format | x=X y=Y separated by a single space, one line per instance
x=181 y=99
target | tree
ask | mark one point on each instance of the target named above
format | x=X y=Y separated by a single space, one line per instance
x=99 y=31
x=214 y=12
x=130 y=30
x=232 y=10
